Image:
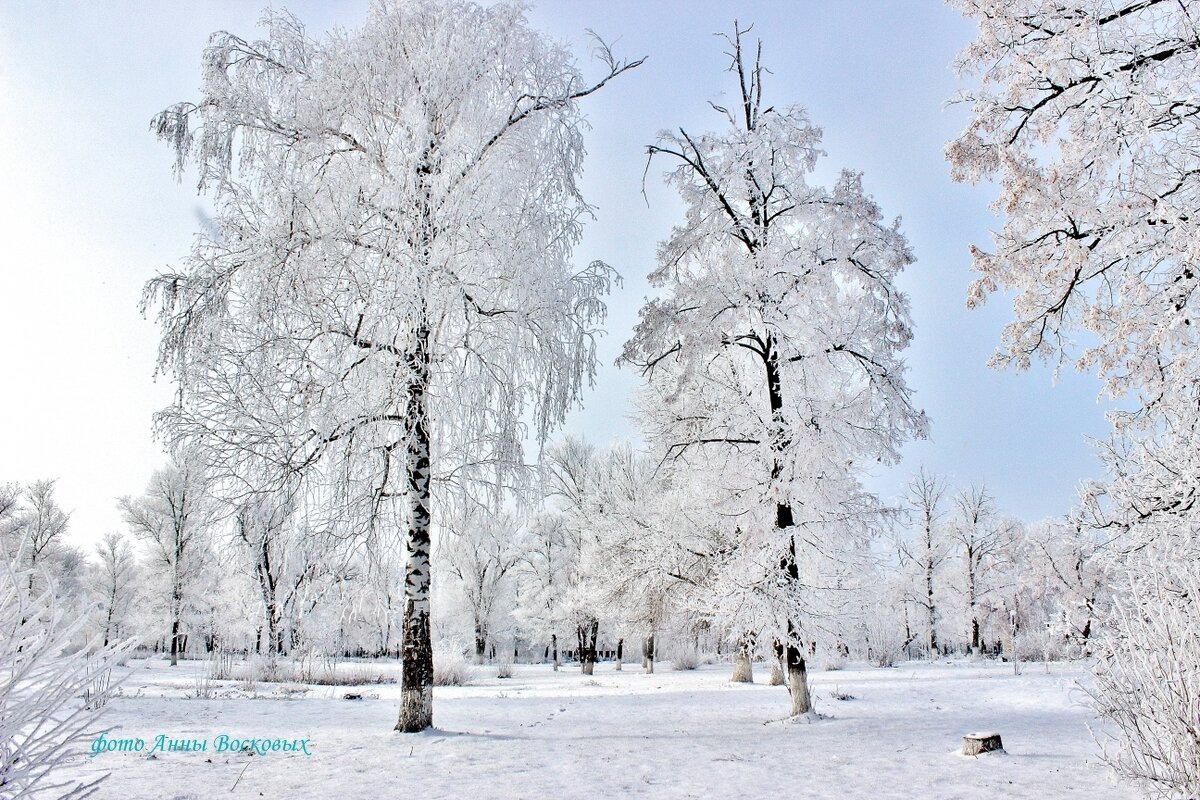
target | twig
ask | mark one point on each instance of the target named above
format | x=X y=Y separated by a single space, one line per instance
x=239 y=777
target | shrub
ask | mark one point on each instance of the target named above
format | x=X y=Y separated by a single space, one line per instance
x=504 y=668
x=450 y=667
x=362 y=675
x=220 y=666
x=685 y=658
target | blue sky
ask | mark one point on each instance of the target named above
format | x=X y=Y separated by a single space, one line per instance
x=89 y=211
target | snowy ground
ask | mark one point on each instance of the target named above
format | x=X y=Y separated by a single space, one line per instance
x=622 y=734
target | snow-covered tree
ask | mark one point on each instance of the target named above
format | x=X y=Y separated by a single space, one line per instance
x=543 y=577
x=114 y=587
x=884 y=626
x=1071 y=560
x=574 y=469
x=33 y=539
x=638 y=537
x=923 y=552
x=174 y=520
x=395 y=211
x=35 y=529
x=290 y=564
x=259 y=529
x=287 y=563
x=10 y=496
x=985 y=541
x=1086 y=113
x=482 y=547
x=773 y=352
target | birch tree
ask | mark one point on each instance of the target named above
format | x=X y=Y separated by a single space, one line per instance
x=389 y=303
x=258 y=528
x=773 y=349
x=654 y=566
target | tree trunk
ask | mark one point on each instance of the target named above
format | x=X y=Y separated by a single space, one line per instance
x=108 y=619
x=743 y=669
x=266 y=584
x=587 y=646
x=274 y=628
x=620 y=649
x=972 y=602
x=793 y=655
x=554 y=647
x=743 y=666
x=1086 y=634
x=648 y=654
x=176 y=617
x=480 y=645
x=416 y=687
x=1014 y=627
x=777 y=672
x=929 y=607
x=175 y=640
x=785 y=521
x=797 y=677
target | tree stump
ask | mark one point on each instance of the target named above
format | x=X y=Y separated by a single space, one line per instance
x=976 y=743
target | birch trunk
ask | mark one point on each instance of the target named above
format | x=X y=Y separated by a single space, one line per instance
x=176 y=617
x=929 y=607
x=416 y=686
x=175 y=641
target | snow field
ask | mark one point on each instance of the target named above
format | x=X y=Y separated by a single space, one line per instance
x=618 y=734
